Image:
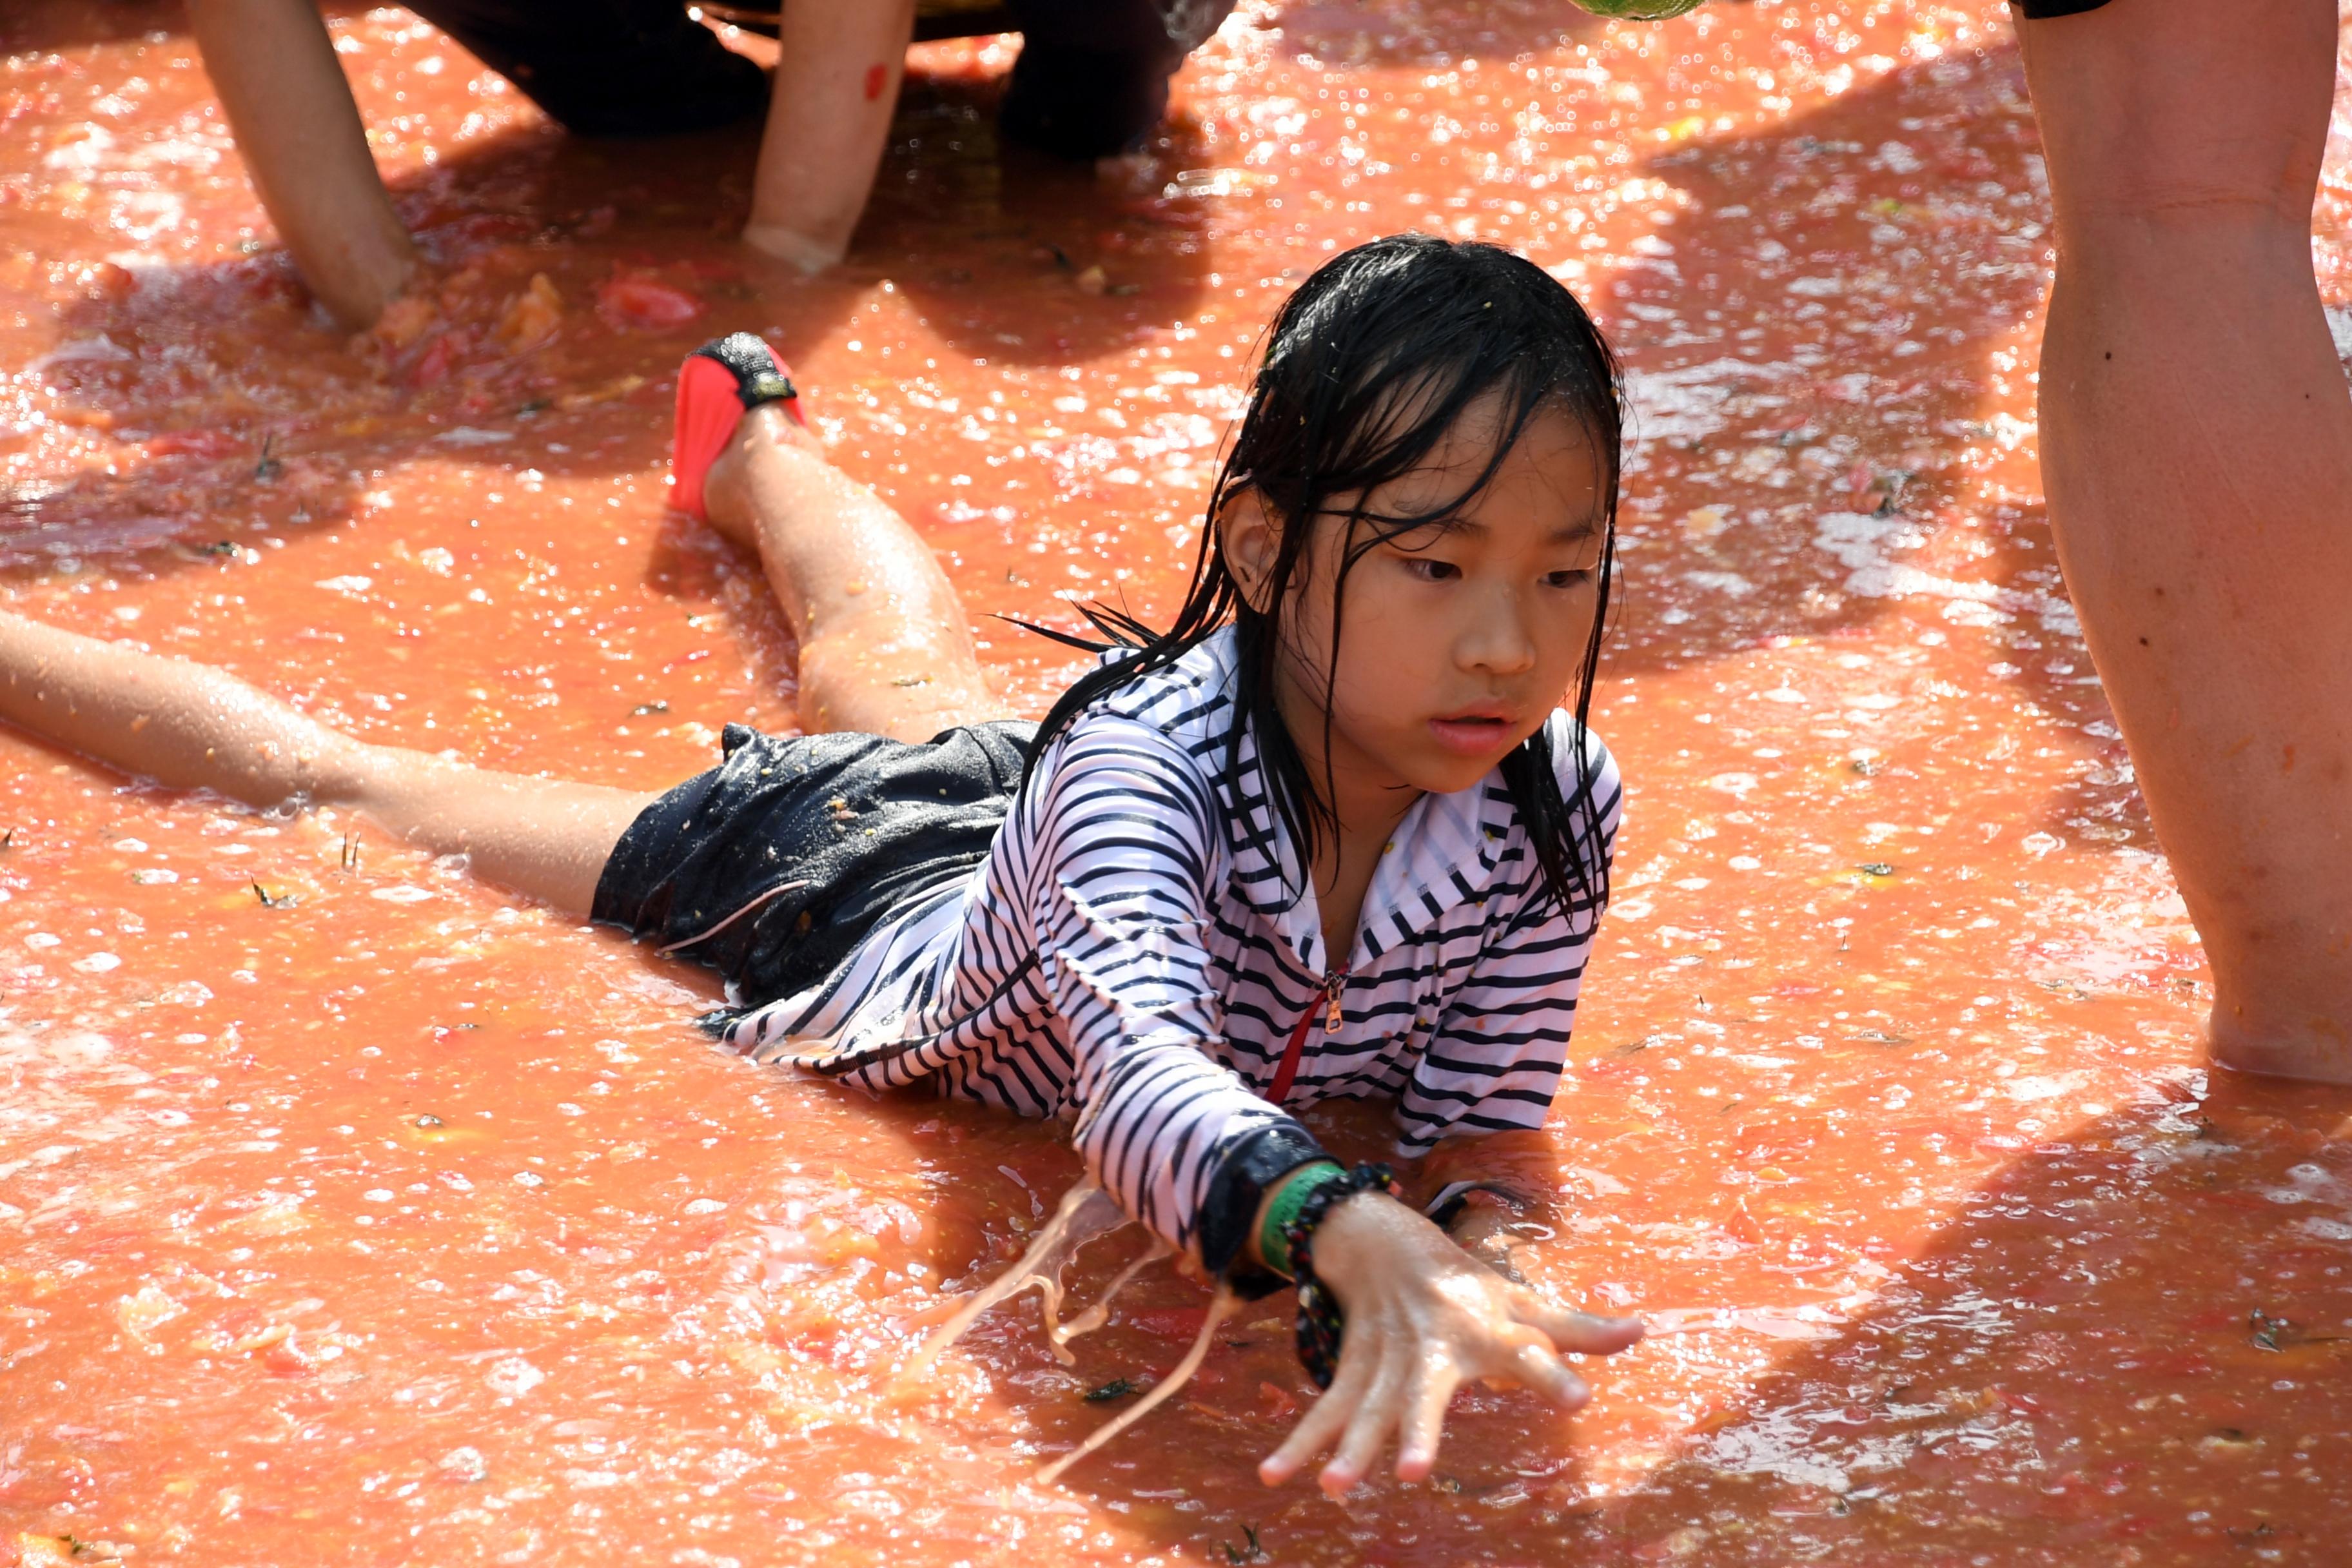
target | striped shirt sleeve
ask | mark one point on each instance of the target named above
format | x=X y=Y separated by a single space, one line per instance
x=1495 y=1061
x=1126 y=845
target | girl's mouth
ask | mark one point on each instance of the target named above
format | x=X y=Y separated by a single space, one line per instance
x=1472 y=734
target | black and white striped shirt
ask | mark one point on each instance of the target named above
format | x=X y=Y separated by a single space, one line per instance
x=1136 y=952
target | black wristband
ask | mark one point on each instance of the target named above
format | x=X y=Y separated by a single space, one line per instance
x=1235 y=1193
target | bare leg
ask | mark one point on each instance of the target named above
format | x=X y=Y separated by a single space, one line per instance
x=828 y=121
x=194 y=728
x=2197 y=445
x=300 y=134
x=885 y=648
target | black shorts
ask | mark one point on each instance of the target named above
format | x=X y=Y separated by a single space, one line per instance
x=774 y=865
x=607 y=67
x=1091 y=78
x=2036 y=9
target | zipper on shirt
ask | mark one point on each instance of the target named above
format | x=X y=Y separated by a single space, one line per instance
x=1333 y=983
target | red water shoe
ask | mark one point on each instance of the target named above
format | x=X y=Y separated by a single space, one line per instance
x=720 y=383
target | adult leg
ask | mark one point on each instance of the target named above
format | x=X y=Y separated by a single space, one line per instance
x=194 y=728
x=2196 y=448
x=884 y=645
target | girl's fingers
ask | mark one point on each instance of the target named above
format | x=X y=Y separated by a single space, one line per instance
x=1424 y=1417
x=1324 y=1417
x=1368 y=1428
x=1540 y=1370
x=1582 y=1333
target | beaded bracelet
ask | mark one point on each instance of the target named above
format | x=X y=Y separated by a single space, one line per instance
x=1320 y=1320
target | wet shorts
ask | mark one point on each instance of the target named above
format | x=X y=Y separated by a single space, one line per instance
x=774 y=865
x=2036 y=9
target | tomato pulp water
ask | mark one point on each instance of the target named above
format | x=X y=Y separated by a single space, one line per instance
x=355 y=1215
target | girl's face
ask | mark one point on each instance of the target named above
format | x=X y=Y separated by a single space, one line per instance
x=1458 y=638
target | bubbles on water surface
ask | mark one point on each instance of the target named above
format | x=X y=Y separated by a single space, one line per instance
x=513 y=1376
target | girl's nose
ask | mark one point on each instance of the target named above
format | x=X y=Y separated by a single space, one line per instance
x=1495 y=636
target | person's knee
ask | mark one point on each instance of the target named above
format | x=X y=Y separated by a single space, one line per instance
x=2172 y=183
x=2174 y=112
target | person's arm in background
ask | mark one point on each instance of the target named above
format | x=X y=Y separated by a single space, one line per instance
x=299 y=131
x=837 y=87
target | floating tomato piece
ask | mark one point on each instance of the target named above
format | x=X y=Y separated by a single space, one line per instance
x=404 y=321
x=105 y=282
x=643 y=304
x=432 y=367
x=284 y=1358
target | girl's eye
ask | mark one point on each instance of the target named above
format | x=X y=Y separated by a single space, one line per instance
x=1567 y=579
x=1430 y=571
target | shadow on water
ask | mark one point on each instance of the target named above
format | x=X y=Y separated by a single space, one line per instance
x=989 y=239
x=2127 y=1346
x=1809 y=337
x=1814 y=349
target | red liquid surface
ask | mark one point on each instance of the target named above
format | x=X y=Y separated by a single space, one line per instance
x=386 y=1222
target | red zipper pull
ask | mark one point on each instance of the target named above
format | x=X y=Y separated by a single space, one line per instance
x=1287 y=1068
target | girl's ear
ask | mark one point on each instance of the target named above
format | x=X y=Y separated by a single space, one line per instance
x=1249 y=540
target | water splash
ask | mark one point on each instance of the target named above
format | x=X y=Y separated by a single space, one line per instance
x=1219 y=1308
x=1085 y=1213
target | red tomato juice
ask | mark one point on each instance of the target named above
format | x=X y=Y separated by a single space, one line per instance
x=386 y=1221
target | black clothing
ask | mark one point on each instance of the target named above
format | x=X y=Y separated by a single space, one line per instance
x=859 y=823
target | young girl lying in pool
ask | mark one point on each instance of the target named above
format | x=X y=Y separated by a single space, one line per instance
x=1328 y=835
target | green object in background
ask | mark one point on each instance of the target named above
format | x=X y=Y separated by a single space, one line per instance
x=1641 y=10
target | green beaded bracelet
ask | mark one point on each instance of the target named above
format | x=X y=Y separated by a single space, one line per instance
x=1272 y=1244
x=1640 y=10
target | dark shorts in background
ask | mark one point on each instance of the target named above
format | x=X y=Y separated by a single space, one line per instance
x=607 y=67
x=862 y=823
x=1091 y=78
x=2036 y=9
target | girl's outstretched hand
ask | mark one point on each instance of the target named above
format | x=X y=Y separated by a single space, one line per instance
x=1424 y=1317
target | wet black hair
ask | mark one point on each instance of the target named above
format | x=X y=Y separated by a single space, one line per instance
x=1366 y=369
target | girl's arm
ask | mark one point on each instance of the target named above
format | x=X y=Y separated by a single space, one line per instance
x=836 y=87
x=1127 y=834
x=1422 y=1314
x=300 y=134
